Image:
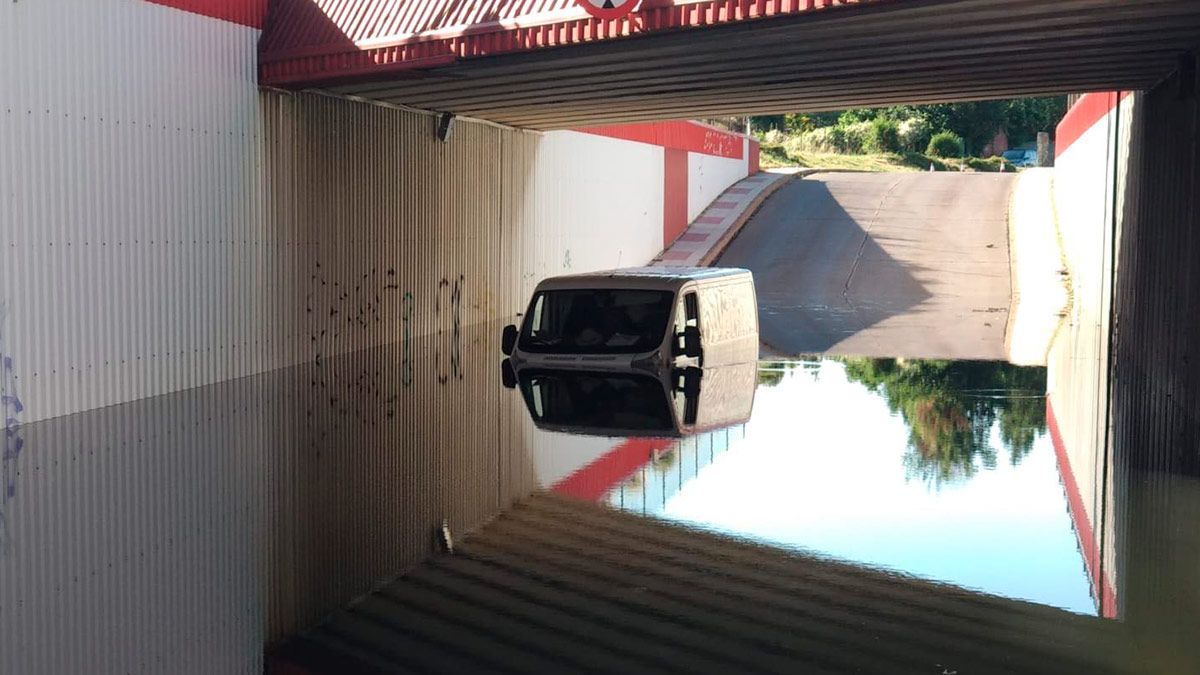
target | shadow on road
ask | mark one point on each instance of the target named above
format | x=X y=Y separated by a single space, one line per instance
x=806 y=252
x=912 y=265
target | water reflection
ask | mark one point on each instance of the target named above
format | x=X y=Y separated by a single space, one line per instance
x=951 y=408
x=939 y=469
x=186 y=532
x=189 y=531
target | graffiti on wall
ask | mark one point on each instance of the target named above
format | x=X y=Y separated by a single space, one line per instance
x=11 y=440
x=449 y=331
x=344 y=320
x=342 y=316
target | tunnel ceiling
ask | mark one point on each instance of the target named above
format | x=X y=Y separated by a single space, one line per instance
x=549 y=68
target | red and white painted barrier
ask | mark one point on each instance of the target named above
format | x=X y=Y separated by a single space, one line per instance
x=1089 y=183
x=699 y=162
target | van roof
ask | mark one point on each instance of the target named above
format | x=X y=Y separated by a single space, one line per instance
x=653 y=276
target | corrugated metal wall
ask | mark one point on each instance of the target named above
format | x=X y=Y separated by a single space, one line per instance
x=389 y=283
x=1156 y=377
x=248 y=340
x=126 y=197
x=247 y=343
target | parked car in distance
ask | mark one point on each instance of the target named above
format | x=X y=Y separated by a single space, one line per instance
x=645 y=318
x=1020 y=158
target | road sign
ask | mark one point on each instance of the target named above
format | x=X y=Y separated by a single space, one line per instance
x=608 y=9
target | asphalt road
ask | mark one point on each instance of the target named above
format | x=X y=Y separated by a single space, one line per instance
x=909 y=265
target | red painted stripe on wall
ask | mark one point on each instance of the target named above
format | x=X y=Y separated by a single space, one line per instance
x=250 y=13
x=678 y=135
x=1089 y=110
x=1101 y=586
x=755 y=163
x=595 y=480
x=675 y=194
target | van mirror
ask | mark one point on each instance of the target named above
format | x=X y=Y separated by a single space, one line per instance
x=508 y=341
x=508 y=375
x=691 y=342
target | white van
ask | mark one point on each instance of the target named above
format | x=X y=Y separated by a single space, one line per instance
x=673 y=403
x=645 y=318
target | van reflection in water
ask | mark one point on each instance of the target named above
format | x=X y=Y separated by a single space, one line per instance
x=662 y=352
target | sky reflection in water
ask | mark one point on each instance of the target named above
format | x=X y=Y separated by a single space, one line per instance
x=942 y=470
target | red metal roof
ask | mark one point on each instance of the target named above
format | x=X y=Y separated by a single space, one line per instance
x=315 y=42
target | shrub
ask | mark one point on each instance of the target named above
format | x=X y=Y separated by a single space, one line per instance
x=945 y=144
x=773 y=137
x=987 y=164
x=882 y=136
x=824 y=139
x=914 y=134
x=855 y=136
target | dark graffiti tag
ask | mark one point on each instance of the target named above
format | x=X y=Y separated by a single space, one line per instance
x=340 y=314
x=452 y=292
x=406 y=372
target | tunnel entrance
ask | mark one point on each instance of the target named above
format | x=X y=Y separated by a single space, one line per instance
x=252 y=392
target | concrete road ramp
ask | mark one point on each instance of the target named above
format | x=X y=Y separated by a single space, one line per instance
x=882 y=264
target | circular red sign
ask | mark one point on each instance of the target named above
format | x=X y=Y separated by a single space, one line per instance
x=608 y=9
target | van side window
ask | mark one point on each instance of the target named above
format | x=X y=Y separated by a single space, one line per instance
x=692 y=309
x=687 y=313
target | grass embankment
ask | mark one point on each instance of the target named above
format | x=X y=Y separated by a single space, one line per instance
x=779 y=156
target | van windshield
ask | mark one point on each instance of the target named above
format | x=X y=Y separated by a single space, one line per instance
x=597 y=401
x=596 y=321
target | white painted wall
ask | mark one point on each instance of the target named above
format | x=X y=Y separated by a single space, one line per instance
x=709 y=176
x=1077 y=364
x=131 y=177
x=590 y=203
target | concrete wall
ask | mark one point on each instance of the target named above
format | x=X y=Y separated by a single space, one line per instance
x=1125 y=370
x=699 y=163
x=709 y=175
x=585 y=202
x=1092 y=168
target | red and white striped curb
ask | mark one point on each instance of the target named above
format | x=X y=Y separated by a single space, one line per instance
x=712 y=230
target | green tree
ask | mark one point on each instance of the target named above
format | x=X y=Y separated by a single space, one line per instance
x=945 y=144
x=883 y=136
x=950 y=408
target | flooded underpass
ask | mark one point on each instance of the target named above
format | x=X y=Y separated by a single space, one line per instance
x=397 y=510
x=868 y=515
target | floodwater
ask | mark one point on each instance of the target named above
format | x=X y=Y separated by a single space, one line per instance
x=205 y=530
x=941 y=470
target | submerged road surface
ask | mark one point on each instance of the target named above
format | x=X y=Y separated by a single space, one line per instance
x=882 y=264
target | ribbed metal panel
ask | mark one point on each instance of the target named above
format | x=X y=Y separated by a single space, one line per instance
x=130 y=216
x=562 y=586
x=1156 y=377
x=248 y=341
x=334 y=22
x=389 y=240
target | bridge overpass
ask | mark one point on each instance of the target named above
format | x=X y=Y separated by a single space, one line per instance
x=249 y=299
x=548 y=65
